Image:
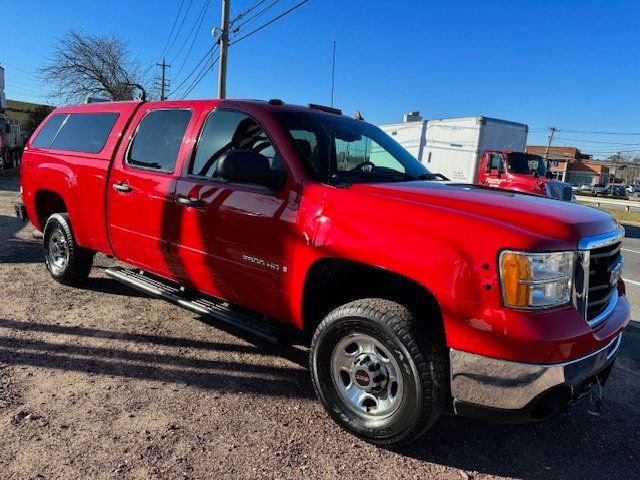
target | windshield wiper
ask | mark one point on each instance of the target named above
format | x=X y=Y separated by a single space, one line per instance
x=432 y=177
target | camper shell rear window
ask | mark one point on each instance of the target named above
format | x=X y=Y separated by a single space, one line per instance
x=76 y=132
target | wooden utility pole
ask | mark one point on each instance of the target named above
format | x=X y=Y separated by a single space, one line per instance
x=163 y=80
x=224 y=45
x=553 y=130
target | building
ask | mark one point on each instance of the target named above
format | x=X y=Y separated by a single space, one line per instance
x=569 y=164
x=21 y=111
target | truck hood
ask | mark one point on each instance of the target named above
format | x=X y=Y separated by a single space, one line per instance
x=541 y=216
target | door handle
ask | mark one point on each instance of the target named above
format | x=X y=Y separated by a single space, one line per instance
x=122 y=187
x=190 y=202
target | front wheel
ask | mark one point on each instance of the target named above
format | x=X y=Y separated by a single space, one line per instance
x=67 y=262
x=377 y=373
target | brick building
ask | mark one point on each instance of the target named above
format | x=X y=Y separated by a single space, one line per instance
x=570 y=165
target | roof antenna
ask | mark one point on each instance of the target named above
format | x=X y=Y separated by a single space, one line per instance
x=333 y=72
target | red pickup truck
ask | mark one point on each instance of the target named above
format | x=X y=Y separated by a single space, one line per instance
x=416 y=294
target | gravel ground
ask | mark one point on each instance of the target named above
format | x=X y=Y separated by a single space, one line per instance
x=103 y=382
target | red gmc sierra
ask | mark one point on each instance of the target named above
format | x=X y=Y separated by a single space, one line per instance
x=416 y=294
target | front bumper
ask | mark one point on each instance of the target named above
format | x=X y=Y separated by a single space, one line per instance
x=511 y=392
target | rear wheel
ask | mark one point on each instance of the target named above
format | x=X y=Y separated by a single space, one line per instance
x=66 y=261
x=377 y=373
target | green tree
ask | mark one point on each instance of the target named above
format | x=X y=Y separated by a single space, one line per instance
x=36 y=117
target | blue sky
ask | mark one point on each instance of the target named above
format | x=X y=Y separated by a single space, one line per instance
x=574 y=64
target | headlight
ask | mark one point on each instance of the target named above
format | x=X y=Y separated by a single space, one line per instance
x=536 y=280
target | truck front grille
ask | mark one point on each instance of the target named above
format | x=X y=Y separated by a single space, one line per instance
x=600 y=290
x=597 y=272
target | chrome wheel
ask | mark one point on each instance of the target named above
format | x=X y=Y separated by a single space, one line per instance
x=366 y=376
x=57 y=252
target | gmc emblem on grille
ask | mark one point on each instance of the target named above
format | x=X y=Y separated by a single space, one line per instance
x=616 y=272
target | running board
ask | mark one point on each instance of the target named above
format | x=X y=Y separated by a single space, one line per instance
x=204 y=305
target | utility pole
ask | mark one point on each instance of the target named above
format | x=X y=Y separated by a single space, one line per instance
x=163 y=81
x=553 y=130
x=224 y=45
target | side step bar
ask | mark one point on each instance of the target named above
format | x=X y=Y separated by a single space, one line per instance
x=207 y=306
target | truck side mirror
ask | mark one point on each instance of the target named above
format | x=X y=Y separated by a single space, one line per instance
x=245 y=166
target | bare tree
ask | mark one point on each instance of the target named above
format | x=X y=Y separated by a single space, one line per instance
x=85 y=65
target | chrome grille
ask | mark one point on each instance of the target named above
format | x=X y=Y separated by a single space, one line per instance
x=597 y=270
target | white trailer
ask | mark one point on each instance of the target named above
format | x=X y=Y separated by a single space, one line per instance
x=454 y=146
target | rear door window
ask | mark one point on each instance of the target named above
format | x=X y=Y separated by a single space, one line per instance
x=227 y=130
x=158 y=138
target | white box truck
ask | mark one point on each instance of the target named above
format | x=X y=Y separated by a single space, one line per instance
x=454 y=146
x=478 y=150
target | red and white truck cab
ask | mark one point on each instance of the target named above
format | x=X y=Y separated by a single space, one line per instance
x=520 y=172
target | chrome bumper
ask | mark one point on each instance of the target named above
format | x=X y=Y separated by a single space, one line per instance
x=483 y=383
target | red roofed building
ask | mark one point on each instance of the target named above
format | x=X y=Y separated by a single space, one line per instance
x=570 y=165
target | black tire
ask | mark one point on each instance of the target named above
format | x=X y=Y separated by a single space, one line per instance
x=79 y=260
x=421 y=358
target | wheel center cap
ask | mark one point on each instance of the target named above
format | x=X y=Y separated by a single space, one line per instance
x=362 y=378
x=370 y=374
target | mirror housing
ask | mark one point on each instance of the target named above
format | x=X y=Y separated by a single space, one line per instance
x=245 y=166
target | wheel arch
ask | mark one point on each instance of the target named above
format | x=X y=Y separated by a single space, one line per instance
x=331 y=282
x=46 y=203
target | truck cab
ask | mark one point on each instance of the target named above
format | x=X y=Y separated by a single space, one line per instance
x=521 y=172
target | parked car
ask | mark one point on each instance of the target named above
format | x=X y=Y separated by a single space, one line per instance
x=599 y=189
x=415 y=294
x=586 y=188
x=618 y=191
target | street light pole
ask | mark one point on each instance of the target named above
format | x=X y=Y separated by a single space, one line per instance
x=224 y=45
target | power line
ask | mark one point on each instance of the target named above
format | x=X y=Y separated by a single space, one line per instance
x=252 y=19
x=246 y=12
x=286 y=12
x=197 y=23
x=175 y=21
x=199 y=79
x=594 y=141
x=590 y=132
x=186 y=13
x=202 y=60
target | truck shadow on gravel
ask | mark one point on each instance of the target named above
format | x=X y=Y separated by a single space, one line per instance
x=14 y=249
x=251 y=375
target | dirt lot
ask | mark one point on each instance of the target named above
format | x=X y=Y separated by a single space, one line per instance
x=102 y=382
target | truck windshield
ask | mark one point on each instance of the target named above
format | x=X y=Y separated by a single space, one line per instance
x=339 y=149
x=523 y=163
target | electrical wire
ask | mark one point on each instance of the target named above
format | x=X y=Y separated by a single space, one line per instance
x=246 y=12
x=186 y=13
x=193 y=41
x=299 y=4
x=199 y=79
x=252 y=19
x=198 y=24
x=202 y=60
x=175 y=21
x=594 y=141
